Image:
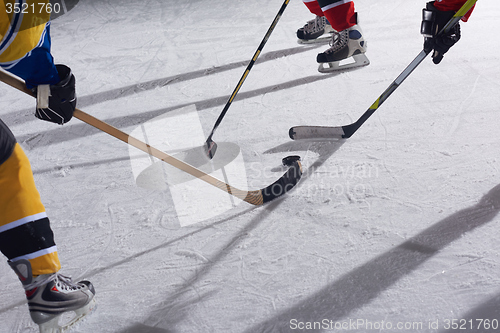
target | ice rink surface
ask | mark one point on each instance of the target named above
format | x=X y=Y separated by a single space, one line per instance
x=392 y=230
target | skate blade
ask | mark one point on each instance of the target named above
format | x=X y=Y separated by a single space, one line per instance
x=320 y=40
x=61 y=323
x=358 y=60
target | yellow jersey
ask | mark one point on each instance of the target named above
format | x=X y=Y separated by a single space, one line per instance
x=22 y=23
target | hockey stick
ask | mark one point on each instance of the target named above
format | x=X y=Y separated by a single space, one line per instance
x=256 y=197
x=210 y=145
x=344 y=132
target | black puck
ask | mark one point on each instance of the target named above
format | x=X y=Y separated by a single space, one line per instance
x=288 y=161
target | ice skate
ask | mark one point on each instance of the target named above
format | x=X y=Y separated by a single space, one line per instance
x=347 y=50
x=54 y=301
x=317 y=30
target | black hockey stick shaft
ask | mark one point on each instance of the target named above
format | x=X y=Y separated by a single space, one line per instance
x=210 y=144
x=343 y=132
x=349 y=130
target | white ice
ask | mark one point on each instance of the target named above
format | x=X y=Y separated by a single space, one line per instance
x=395 y=226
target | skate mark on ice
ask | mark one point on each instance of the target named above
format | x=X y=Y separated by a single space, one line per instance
x=486 y=312
x=175 y=308
x=129 y=259
x=82 y=165
x=141 y=328
x=111 y=238
x=100 y=97
x=80 y=130
x=353 y=290
x=104 y=96
x=458 y=117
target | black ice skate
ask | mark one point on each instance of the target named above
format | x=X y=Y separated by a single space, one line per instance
x=314 y=30
x=347 y=44
x=54 y=301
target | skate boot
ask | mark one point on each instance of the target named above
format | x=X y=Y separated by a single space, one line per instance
x=51 y=296
x=345 y=44
x=311 y=32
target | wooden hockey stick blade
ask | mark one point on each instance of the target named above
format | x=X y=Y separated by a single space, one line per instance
x=256 y=197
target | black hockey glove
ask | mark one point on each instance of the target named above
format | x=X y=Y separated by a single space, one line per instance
x=433 y=21
x=56 y=103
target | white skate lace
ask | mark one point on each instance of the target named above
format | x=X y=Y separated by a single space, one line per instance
x=316 y=24
x=339 y=41
x=62 y=282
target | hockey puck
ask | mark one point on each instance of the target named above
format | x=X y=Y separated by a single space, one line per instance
x=288 y=161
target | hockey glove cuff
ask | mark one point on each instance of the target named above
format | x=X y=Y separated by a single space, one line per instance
x=433 y=21
x=56 y=103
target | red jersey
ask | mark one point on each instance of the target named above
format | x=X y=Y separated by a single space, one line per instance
x=454 y=5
